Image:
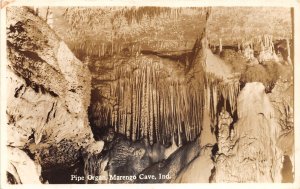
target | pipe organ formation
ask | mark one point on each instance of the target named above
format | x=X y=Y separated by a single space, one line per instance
x=151 y=102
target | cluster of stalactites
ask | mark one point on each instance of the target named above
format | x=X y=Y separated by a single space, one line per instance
x=220 y=95
x=155 y=107
x=262 y=44
x=104 y=49
x=152 y=105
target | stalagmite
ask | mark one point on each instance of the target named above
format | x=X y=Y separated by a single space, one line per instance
x=251 y=154
x=170 y=150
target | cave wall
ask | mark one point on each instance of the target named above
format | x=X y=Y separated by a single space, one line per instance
x=48 y=91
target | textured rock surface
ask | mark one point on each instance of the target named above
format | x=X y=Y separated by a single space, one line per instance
x=48 y=92
x=199 y=170
x=282 y=98
x=252 y=155
x=173 y=165
x=244 y=22
x=117 y=28
x=24 y=169
x=119 y=157
x=144 y=97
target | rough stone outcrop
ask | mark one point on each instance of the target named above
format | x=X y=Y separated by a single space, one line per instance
x=48 y=92
x=251 y=154
x=225 y=133
x=282 y=99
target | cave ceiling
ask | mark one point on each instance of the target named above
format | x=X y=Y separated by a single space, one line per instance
x=99 y=31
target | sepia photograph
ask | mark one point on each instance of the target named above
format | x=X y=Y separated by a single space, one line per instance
x=147 y=94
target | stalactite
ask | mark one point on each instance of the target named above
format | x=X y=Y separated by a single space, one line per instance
x=148 y=106
x=220 y=45
x=134 y=110
x=288 y=51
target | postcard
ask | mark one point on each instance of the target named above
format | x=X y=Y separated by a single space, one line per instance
x=136 y=93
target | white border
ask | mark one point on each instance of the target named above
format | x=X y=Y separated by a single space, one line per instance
x=297 y=91
x=170 y=3
x=3 y=97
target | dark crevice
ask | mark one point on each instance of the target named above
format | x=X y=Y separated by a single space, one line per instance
x=212 y=175
x=214 y=151
x=234 y=120
x=287 y=170
x=32 y=55
x=49 y=113
x=72 y=90
x=18 y=90
x=39 y=88
x=184 y=57
x=60 y=175
x=10 y=178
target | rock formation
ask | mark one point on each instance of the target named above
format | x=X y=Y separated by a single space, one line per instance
x=199 y=170
x=23 y=169
x=173 y=165
x=251 y=155
x=48 y=95
x=282 y=98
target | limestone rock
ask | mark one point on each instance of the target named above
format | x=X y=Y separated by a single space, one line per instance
x=252 y=155
x=24 y=169
x=224 y=133
x=95 y=147
x=267 y=56
x=199 y=170
x=207 y=136
x=216 y=65
x=48 y=92
x=173 y=165
x=282 y=98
